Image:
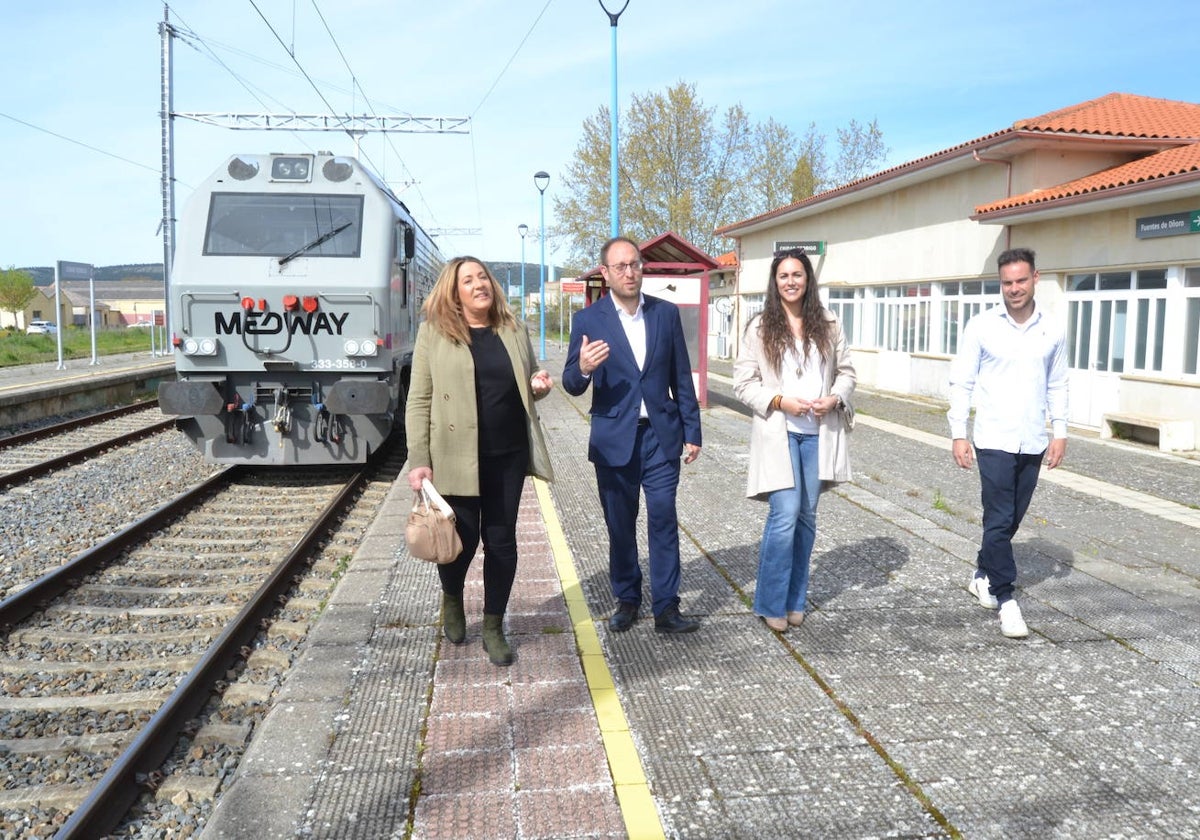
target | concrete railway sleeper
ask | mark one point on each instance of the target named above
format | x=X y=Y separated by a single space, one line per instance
x=38 y=452
x=108 y=659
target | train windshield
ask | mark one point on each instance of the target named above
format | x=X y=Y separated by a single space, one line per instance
x=279 y=225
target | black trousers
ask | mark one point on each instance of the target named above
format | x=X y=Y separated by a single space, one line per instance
x=492 y=517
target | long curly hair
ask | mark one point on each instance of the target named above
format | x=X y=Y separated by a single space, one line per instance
x=777 y=337
x=443 y=309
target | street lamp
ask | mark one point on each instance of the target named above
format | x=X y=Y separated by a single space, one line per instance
x=541 y=180
x=612 y=150
x=522 y=229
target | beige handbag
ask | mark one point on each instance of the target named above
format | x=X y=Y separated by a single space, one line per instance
x=430 y=532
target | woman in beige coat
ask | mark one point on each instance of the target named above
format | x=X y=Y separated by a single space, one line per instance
x=794 y=371
x=474 y=432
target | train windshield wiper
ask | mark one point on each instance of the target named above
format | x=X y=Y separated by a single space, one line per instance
x=320 y=240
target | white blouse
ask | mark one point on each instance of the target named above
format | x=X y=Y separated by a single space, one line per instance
x=803 y=378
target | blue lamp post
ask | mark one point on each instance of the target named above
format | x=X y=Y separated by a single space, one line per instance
x=522 y=229
x=541 y=180
x=612 y=151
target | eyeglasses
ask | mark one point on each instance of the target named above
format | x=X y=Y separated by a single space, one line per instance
x=793 y=253
x=621 y=268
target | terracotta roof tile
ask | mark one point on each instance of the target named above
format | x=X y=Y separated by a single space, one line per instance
x=728 y=259
x=1122 y=115
x=1176 y=161
x=1115 y=115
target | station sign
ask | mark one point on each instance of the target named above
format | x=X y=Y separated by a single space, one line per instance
x=572 y=287
x=1171 y=224
x=810 y=246
x=75 y=271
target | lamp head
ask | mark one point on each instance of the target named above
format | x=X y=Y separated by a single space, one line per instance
x=541 y=180
x=522 y=229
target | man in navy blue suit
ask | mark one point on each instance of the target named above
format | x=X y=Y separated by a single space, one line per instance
x=630 y=348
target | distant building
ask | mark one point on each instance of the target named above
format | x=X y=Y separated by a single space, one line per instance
x=119 y=303
x=1107 y=192
x=41 y=308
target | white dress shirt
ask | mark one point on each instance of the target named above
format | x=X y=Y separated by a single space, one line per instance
x=635 y=331
x=1016 y=373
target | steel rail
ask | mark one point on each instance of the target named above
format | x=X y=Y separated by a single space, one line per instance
x=119 y=788
x=49 y=586
x=75 y=456
x=77 y=423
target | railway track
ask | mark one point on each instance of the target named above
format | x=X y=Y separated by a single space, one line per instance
x=109 y=658
x=39 y=452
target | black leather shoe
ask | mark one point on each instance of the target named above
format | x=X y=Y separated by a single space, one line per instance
x=670 y=621
x=623 y=618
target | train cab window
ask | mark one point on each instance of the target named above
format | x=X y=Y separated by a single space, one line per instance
x=280 y=224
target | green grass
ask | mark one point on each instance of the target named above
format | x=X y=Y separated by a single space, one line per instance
x=939 y=502
x=17 y=348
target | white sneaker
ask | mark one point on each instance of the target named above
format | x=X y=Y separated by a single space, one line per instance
x=1012 y=625
x=979 y=588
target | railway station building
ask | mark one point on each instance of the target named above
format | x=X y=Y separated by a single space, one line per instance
x=1106 y=192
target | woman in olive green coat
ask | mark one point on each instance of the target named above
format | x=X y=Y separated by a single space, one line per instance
x=474 y=433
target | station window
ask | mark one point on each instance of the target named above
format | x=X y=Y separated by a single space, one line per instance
x=1116 y=320
x=753 y=304
x=960 y=303
x=902 y=317
x=1191 y=332
x=847 y=305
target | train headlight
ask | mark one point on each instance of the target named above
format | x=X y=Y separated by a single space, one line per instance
x=199 y=347
x=366 y=347
x=291 y=168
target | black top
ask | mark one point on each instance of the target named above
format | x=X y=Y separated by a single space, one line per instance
x=501 y=414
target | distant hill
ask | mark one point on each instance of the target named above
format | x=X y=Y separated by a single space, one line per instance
x=506 y=272
x=510 y=272
x=43 y=275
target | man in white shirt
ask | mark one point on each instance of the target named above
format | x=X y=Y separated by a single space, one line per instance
x=1013 y=362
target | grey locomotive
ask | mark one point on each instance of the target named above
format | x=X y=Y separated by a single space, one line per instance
x=295 y=294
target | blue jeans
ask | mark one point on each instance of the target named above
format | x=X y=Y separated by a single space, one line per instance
x=789 y=534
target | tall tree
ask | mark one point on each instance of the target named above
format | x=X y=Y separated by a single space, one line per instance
x=682 y=168
x=860 y=152
x=16 y=290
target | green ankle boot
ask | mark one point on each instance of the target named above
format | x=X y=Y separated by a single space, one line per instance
x=454 y=620
x=494 y=642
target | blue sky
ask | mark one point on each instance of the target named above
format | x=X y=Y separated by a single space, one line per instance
x=79 y=110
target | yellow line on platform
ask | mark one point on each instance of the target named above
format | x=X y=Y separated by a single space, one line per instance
x=629 y=780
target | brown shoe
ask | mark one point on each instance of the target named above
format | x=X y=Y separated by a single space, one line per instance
x=795 y=618
x=779 y=625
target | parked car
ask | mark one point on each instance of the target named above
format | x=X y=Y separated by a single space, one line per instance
x=42 y=328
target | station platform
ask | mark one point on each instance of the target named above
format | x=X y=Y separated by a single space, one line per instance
x=896 y=710
x=30 y=392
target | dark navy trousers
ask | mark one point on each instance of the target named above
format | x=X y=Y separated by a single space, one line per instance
x=1007 y=482
x=649 y=471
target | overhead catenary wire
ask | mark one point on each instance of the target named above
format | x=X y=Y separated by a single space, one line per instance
x=356 y=88
x=354 y=83
x=193 y=40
